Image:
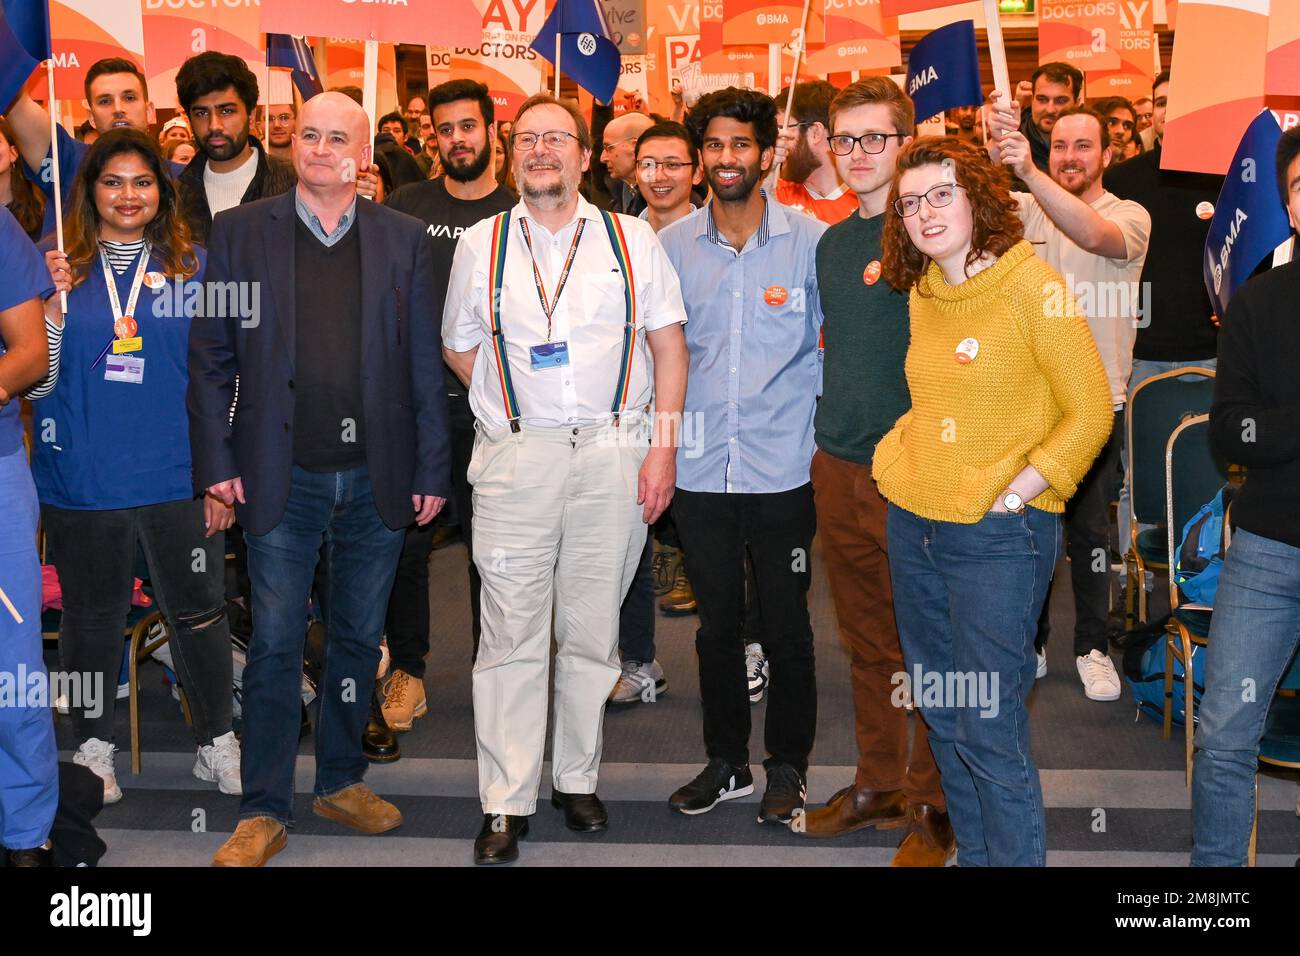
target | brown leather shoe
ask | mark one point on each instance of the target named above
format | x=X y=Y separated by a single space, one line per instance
x=254 y=842
x=929 y=841
x=359 y=808
x=853 y=809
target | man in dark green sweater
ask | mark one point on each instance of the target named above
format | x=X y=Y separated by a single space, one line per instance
x=864 y=392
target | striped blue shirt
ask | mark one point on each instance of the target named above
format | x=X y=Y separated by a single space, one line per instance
x=755 y=371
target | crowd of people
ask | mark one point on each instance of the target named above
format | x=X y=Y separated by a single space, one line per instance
x=649 y=371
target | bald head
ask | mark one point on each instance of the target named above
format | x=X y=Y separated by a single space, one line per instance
x=332 y=143
x=619 y=154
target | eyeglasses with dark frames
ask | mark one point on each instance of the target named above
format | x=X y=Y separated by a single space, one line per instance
x=871 y=143
x=937 y=196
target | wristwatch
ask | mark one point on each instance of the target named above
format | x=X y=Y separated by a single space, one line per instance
x=1013 y=502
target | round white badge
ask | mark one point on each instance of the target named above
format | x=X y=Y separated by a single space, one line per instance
x=967 y=349
x=155 y=280
x=586 y=44
x=1204 y=209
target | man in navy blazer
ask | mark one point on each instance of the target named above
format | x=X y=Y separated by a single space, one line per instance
x=339 y=437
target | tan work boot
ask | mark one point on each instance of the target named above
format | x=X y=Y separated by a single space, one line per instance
x=929 y=840
x=404 y=700
x=681 y=599
x=359 y=808
x=254 y=842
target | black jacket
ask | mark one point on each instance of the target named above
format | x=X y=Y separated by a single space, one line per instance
x=273 y=176
x=408 y=449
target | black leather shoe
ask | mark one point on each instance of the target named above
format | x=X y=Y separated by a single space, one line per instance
x=40 y=856
x=379 y=743
x=583 y=812
x=498 y=840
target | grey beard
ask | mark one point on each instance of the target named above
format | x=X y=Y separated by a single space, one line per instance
x=548 y=197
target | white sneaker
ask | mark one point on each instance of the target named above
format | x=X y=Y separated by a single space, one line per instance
x=1100 y=680
x=218 y=763
x=639 y=682
x=385 y=660
x=756 y=671
x=1041 y=672
x=97 y=756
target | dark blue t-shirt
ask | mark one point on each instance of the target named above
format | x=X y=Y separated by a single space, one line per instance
x=104 y=444
x=25 y=277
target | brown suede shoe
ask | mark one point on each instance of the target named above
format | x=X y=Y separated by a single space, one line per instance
x=929 y=841
x=254 y=842
x=359 y=808
x=853 y=809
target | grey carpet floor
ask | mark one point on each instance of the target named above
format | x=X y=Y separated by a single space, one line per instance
x=1112 y=786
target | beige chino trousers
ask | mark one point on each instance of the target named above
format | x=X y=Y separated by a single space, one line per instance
x=557 y=532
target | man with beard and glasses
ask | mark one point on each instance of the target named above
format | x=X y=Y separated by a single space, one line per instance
x=568 y=466
x=464 y=132
x=218 y=93
x=1098 y=243
x=280 y=121
x=809 y=181
x=747 y=266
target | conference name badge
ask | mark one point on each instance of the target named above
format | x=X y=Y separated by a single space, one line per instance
x=967 y=349
x=775 y=295
x=549 y=355
x=871 y=274
x=125 y=368
x=121 y=346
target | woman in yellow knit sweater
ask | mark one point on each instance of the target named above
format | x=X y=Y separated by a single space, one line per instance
x=1009 y=408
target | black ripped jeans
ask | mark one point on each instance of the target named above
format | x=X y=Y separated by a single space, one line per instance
x=94 y=552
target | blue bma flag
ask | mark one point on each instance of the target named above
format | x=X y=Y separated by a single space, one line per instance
x=1249 y=218
x=24 y=42
x=587 y=54
x=293 y=53
x=943 y=70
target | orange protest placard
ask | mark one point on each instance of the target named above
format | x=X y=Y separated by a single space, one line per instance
x=770 y=21
x=174 y=33
x=84 y=31
x=858 y=37
x=1084 y=35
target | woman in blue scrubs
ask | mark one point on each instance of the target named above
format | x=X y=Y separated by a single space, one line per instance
x=29 y=787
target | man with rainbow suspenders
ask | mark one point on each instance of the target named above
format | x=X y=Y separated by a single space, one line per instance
x=550 y=309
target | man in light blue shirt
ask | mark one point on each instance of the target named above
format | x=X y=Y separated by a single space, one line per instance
x=747 y=268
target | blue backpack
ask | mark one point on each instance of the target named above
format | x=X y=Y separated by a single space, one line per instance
x=1200 y=553
x=1146 y=679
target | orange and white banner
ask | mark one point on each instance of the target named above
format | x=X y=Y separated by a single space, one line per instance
x=431 y=22
x=174 y=31
x=858 y=37
x=501 y=58
x=344 y=65
x=1216 y=82
x=770 y=21
x=1082 y=34
x=1134 y=39
x=83 y=31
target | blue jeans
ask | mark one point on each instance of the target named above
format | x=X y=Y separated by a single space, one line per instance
x=967 y=599
x=636 y=617
x=361 y=552
x=1254 y=633
x=29 y=759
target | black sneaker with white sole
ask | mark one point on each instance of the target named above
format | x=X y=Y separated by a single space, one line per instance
x=783 y=800
x=717 y=782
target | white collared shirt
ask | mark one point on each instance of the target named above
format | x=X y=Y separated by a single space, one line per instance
x=589 y=317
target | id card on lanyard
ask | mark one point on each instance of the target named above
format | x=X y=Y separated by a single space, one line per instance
x=125 y=327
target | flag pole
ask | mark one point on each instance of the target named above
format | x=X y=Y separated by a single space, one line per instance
x=794 y=78
x=997 y=48
x=54 y=163
x=370 y=91
x=558 y=37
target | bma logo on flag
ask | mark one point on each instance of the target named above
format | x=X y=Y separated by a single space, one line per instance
x=922 y=78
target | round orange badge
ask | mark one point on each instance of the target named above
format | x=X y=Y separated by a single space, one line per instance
x=155 y=280
x=775 y=295
x=125 y=327
x=871 y=274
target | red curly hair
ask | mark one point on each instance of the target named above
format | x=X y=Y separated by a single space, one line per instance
x=996 y=222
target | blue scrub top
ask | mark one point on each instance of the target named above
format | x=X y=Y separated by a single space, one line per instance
x=102 y=444
x=24 y=277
